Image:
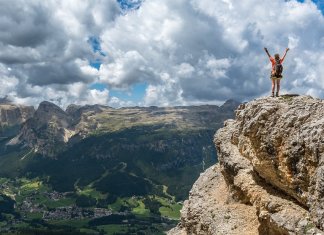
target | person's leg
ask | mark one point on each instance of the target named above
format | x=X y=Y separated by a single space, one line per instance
x=278 y=87
x=273 y=85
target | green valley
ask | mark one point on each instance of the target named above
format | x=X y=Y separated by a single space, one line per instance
x=98 y=170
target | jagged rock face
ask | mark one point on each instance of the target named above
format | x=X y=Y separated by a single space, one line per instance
x=12 y=116
x=283 y=139
x=49 y=112
x=47 y=131
x=76 y=112
x=271 y=156
x=209 y=210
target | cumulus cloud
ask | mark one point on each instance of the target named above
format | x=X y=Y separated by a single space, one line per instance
x=213 y=50
x=188 y=52
x=128 y=69
x=77 y=93
x=167 y=93
x=45 y=45
x=7 y=83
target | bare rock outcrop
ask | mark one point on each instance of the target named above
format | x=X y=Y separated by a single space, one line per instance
x=12 y=116
x=271 y=158
x=210 y=210
x=46 y=131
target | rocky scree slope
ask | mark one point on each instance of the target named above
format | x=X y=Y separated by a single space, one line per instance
x=271 y=165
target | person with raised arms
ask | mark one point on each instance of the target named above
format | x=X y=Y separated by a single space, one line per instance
x=276 y=71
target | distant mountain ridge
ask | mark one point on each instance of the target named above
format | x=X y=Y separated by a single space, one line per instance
x=50 y=126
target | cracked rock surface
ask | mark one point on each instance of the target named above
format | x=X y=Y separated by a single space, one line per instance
x=271 y=162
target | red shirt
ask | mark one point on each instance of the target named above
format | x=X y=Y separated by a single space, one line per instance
x=273 y=63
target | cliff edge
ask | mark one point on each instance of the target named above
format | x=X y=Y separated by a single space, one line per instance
x=270 y=175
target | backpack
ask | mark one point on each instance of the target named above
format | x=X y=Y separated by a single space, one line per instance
x=278 y=69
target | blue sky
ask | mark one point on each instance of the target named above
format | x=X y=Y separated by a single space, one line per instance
x=151 y=52
x=319 y=3
x=129 y=4
x=135 y=93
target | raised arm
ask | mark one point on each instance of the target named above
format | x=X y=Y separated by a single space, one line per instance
x=283 y=58
x=266 y=50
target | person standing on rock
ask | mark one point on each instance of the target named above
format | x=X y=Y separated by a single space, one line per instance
x=276 y=71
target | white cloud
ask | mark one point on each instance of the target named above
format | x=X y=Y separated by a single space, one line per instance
x=293 y=41
x=217 y=67
x=128 y=69
x=7 y=83
x=167 y=94
x=185 y=70
x=77 y=93
x=187 y=52
x=96 y=97
x=117 y=103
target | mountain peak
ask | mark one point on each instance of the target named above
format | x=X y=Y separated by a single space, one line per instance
x=46 y=106
x=49 y=122
x=48 y=111
x=230 y=104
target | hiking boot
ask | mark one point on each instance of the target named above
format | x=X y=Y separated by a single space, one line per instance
x=277 y=94
x=272 y=94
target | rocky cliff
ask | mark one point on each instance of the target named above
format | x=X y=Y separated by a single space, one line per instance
x=270 y=175
x=12 y=116
x=46 y=131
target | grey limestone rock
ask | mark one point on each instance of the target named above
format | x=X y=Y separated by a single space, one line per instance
x=271 y=160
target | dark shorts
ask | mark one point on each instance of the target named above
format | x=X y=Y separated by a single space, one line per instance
x=274 y=77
